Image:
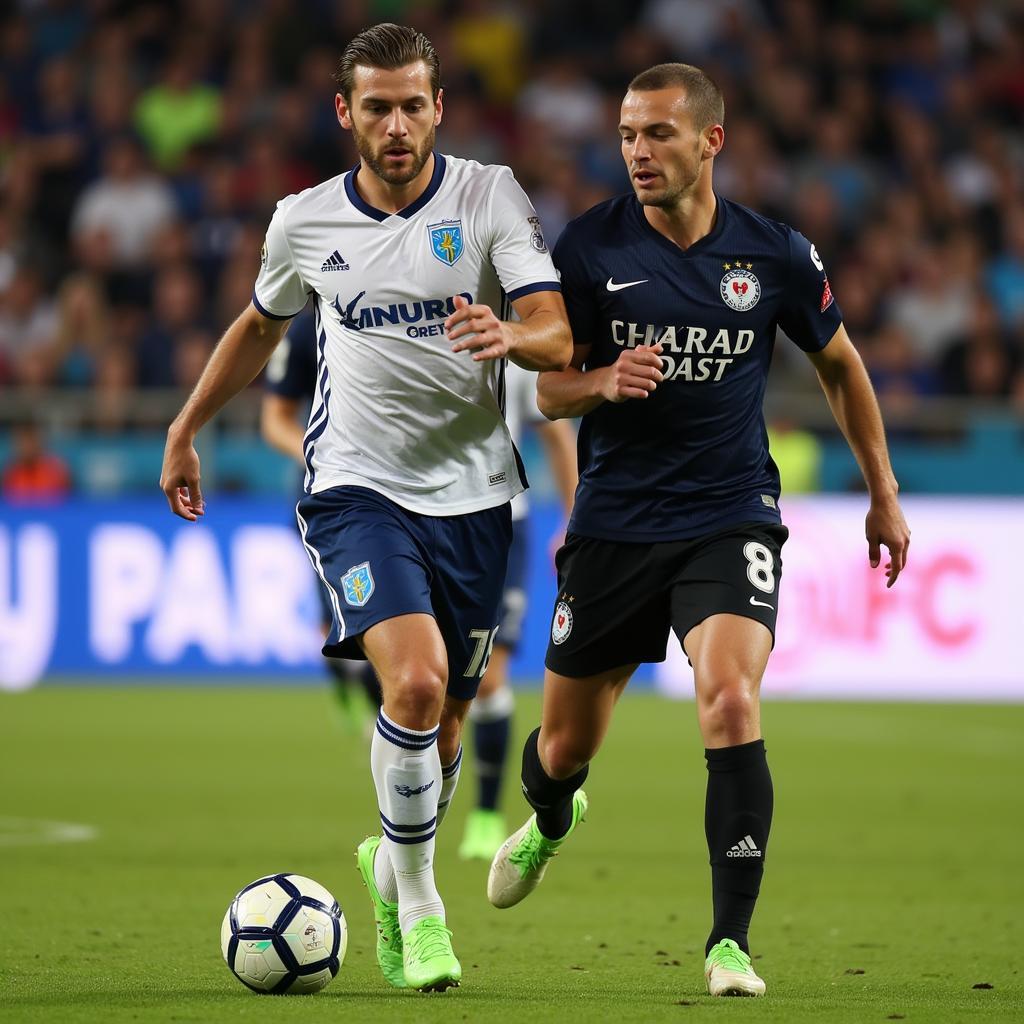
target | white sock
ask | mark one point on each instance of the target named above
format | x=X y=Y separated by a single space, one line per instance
x=500 y=704
x=383 y=872
x=449 y=780
x=407 y=773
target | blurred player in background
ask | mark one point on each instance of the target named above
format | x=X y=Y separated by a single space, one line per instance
x=491 y=713
x=674 y=296
x=409 y=465
x=290 y=389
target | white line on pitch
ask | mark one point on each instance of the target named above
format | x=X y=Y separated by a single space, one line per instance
x=37 y=832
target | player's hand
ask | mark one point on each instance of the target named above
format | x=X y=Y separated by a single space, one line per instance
x=886 y=526
x=476 y=329
x=179 y=479
x=635 y=374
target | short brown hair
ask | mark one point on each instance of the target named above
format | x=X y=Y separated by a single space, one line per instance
x=703 y=98
x=389 y=47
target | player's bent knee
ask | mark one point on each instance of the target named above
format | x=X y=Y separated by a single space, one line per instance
x=563 y=756
x=418 y=692
x=729 y=710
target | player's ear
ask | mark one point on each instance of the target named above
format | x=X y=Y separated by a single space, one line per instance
x=343 y=111
x=714 y=139
x=438 y=107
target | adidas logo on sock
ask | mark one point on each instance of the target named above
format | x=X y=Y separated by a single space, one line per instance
x=334 y=262
x=746 y=847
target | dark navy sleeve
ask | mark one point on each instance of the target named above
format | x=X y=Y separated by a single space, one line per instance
x=809 y=314
x=291 y=372
x=577 y=290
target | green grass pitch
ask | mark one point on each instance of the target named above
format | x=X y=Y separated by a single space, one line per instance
x=894 y=884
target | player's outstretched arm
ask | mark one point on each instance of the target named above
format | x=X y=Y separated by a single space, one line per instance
x=241 y=353
x=575 y=391
x=540 y=340
x=848 y=389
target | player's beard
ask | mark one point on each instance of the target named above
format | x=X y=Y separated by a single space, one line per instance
x=395 y=175
x=673 y=192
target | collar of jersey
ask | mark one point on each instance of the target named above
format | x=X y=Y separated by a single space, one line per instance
x=699 y=246
x=414 y=207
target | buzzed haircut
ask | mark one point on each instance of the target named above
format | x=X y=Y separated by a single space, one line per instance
x=387 y=46
x=703 y=98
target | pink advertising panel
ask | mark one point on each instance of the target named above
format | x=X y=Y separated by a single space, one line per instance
x=952 y=628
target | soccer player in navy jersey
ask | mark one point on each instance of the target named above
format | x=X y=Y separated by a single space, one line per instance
x=289 y=392
x=674 y=295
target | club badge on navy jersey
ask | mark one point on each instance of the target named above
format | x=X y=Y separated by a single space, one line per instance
x=740 y=288
x=357 y=585
x=561 y=624
x=446 y=241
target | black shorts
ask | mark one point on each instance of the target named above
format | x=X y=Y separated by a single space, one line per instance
x=617 y=601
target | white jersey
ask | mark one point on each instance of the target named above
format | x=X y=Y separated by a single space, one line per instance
x=520 y=411
x=395 y=409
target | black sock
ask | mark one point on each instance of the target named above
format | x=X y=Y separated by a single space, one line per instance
x=490 y=741
x=550 y=798
x=737 y=819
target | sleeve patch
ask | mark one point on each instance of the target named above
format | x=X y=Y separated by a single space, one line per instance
x=826 y=297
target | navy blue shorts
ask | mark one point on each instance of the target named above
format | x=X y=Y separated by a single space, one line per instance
x=513 y=598
x=379 y=560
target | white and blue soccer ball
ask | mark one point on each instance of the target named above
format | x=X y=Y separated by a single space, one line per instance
x=284 y=934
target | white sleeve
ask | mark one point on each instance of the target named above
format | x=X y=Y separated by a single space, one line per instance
x=280 y=291
x=518 y=251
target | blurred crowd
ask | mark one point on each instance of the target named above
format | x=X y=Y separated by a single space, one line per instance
x=144 y=145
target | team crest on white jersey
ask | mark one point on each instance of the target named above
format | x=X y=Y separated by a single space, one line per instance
x=536 y=235
x=561 y=624
x=446 y=241
x=740 y=288
x=357 y=585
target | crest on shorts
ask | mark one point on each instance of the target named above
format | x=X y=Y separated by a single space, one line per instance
x=357 y=585
x=740 y=289
x=561 y=624
x=446 y=241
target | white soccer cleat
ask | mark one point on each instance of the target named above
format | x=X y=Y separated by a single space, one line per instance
x=728 y=972
x=520 y=863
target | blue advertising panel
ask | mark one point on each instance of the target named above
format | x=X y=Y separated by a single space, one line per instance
x=125 y=591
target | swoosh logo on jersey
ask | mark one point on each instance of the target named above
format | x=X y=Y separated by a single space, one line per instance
x=762 y=604
x=613 y=287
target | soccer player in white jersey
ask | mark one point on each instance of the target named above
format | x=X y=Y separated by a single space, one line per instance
x=409 y=465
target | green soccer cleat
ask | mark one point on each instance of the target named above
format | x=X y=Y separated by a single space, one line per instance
x=485 y=832
x=728 y=972
x=389 y=934
x=430 y=964
x=520 y=863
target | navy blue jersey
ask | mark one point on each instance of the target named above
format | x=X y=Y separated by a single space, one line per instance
x=693 y=457
x=291 y=372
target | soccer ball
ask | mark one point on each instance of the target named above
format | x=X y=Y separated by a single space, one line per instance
x=284 y=933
